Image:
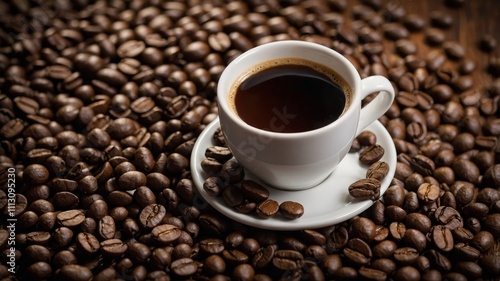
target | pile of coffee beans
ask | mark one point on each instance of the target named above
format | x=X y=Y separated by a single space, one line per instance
x=226 y=179
x=102 y=101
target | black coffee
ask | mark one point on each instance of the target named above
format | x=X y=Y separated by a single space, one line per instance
x=290 y=95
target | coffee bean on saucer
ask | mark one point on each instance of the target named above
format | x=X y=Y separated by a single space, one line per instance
x=254 y=191
x=378 y=170
x=267 y=209
x=213 y=186
x=291 y=210
x=232 y=171
x=218 y=137
x=233 y=196
x=246 y=207
x=371 y=154
x=355 y=146
x=367 y=138
x=211 y=166
x=365 y=189
x=219 y=153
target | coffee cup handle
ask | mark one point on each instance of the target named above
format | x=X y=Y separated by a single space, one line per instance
x=379 y=105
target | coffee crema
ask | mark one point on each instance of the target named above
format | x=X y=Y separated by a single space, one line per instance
x=289 y=95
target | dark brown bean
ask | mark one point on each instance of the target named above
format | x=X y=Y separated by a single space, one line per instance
x=267 y=208
x=291 y=210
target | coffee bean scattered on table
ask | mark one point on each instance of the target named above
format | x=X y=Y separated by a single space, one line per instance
x=101 y=103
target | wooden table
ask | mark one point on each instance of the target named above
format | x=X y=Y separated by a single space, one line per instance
x=471 y=22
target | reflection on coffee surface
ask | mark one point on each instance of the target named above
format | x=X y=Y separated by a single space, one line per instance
x=289 y=96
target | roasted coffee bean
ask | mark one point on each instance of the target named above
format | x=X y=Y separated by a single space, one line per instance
x=185 y=190
x=267 y=208
x=395 y=31
x=440 y=19
x=462 y=234
x=434 y=36
x=263 y=257
x=397 y=230
x=87 y=243
x=439 y=260
x=287 y=260
x=406 y=255
x=487 y=42
x=346 y=272
x=233 y=196
x=467 y=252
x=483 y=240
x=358 y=251
x=367 y=138
x=143 y=196
x=138 y=252
x=213 y=186
x=490 y=263
x=254 y=191
x=130 y=49
x=63 y=200
x=98 y=209
x=466 y=170
x=212 y=246
x=491 y=223
x=106 y=228
x=291 y=210
x=63 y=236
x=453 y=49
x=70 y=218
x=469 y=269
x=211 y=166
x=35 y=174
x=371 y=154
x=39 y=270
x=363 y=228
x=232 y=171
x=394 y=195
x=378 y=170
x=448 y=216
x=292 y=243
x=132 y=180
x=152 y=215
x=214 y=264
x=442 y=237
x=176 y=163
x=113 y=247
x=364 y=189
x=428 y=192
x=166 y=233
x=384 y=249
x=75 y=272
x=234 y=256
x=395 y=213
x=385 y=265
x=414 y=22
x=407 y=273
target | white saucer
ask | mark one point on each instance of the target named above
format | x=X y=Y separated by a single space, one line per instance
x=325 y=204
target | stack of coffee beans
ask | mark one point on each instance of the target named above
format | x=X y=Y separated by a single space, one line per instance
x=102 y=98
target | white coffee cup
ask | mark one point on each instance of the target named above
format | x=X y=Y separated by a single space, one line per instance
x=296 y=161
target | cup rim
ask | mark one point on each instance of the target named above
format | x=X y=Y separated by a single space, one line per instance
x=222 y=96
